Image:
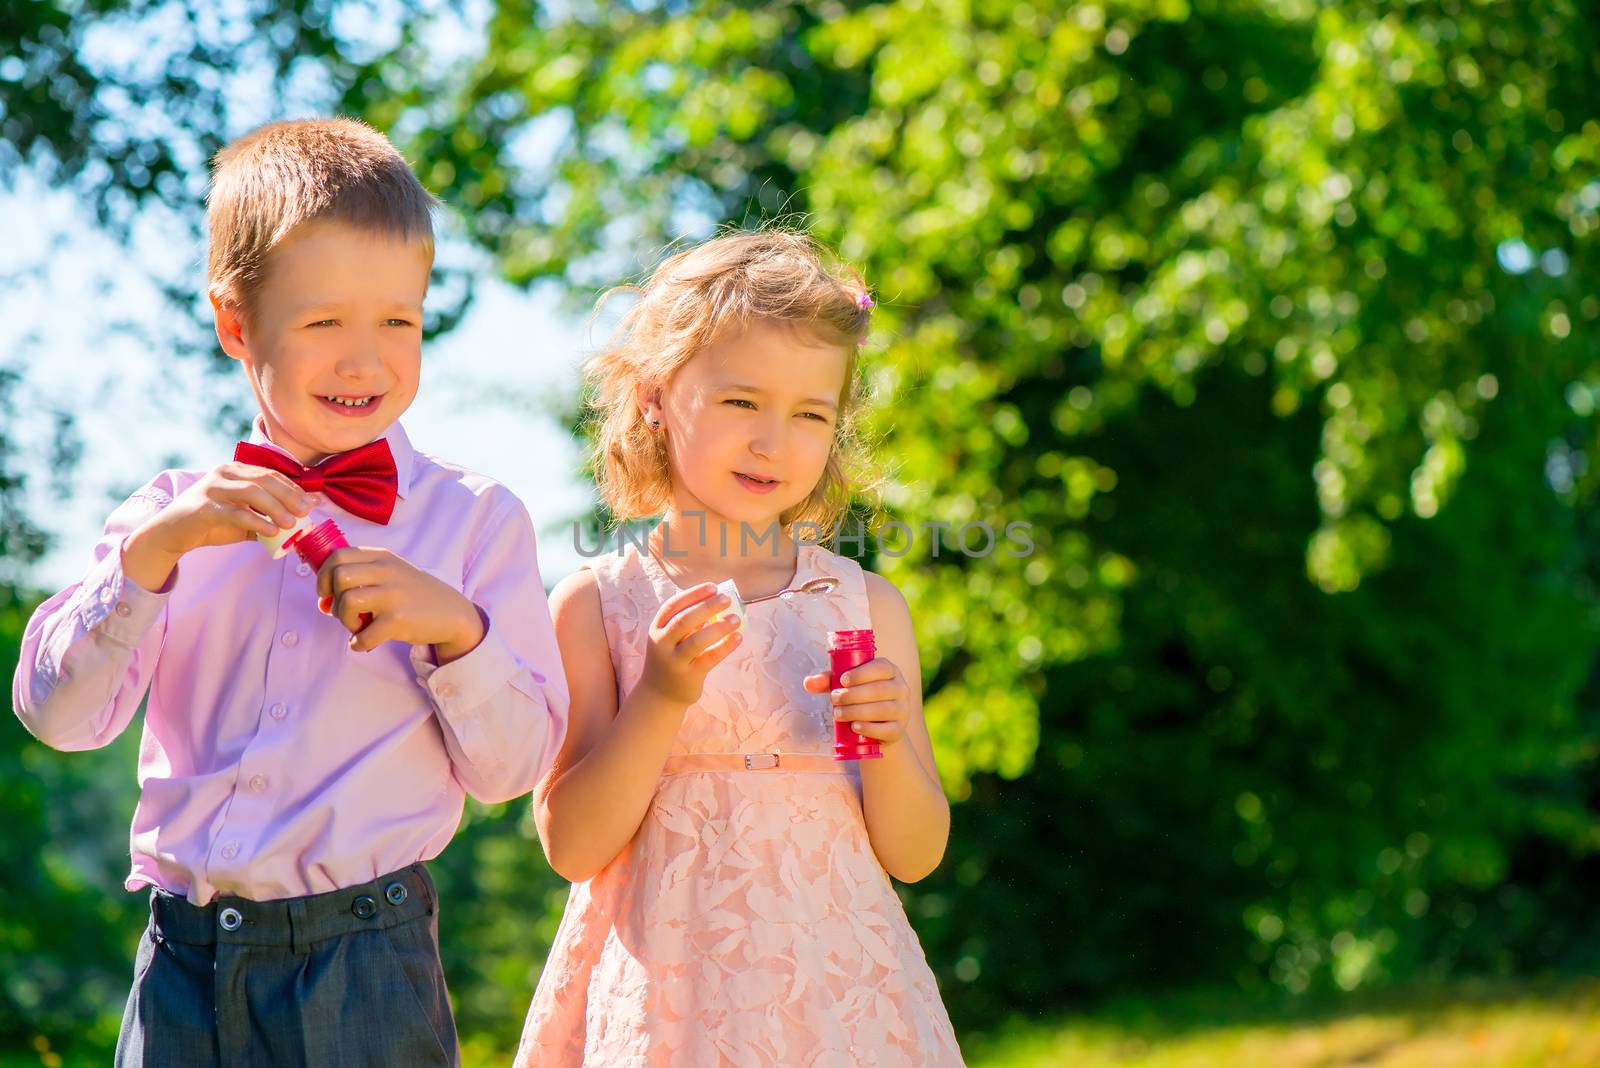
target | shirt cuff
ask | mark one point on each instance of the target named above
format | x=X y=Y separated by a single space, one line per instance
x=120 y=608
x=469 y=681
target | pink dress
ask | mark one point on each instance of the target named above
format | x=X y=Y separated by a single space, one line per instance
x=748 y=923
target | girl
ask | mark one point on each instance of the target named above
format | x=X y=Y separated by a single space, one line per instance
x=731 y=900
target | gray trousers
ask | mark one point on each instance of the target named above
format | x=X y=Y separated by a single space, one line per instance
x=348 y=979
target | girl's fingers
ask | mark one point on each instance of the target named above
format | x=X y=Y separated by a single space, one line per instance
x=880 y=732
x=871 y=671
x=861 y=694
x=718 y=652
x=873 y=711
x=691 y=620
x=679 y=601
x=817 y=683
x=707 y=636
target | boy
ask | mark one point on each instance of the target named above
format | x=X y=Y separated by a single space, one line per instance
x=308 y=738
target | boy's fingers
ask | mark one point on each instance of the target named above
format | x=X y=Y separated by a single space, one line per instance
x=371 y=636
x=247 y=520
x=265 y=476
x=356 y=554
x=341 y=558
x=232 y=522
x=257 y=497
x=293 y=497
x=350 y=576
x=280 y=486
x=349 y=606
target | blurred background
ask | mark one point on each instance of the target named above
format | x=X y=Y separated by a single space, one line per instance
x=1276 y=320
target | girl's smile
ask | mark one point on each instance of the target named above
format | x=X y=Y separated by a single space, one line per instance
x=756 y=484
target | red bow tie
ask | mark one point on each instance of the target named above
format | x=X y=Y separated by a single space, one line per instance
x=362 y=481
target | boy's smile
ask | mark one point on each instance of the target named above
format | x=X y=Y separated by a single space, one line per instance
x=332 y=342
x=352 y=407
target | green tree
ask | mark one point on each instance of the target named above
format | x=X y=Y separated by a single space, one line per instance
x=1233 y=303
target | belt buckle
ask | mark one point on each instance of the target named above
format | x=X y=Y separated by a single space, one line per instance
x=760 y=761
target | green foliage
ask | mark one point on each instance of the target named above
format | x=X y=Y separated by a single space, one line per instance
x=1275 y=320
x=502 y=904
x=1232 y=303
x=67 y=932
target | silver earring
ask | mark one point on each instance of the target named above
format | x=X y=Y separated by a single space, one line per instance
x=655 y=424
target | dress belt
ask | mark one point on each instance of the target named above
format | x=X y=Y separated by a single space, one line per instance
x=811 y=762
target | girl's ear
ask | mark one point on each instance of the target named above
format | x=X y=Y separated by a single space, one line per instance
x=649 y=401
x=230 y=328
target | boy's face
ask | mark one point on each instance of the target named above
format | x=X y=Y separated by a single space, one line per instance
x=751 y=420
x=333 y=344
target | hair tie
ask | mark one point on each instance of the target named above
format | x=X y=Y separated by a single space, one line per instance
x=865 y=301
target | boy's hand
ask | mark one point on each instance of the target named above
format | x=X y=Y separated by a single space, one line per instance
x=406 y=604
x=230 y=503
x=872 y=696
x=685 y=644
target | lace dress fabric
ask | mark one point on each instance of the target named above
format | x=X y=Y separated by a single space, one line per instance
x=748 y=923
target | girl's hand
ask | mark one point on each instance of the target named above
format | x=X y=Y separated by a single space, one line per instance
x=685 y=643
x=873 y=697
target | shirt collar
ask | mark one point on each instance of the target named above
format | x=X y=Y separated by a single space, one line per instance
x=399 y=448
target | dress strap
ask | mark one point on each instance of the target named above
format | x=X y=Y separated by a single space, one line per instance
x=815 y=763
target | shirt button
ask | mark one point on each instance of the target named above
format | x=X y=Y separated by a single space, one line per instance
x=302 y=568
x=290 y=639
x=258 y=783
x=446 y=691
x=106 y=594
x=277 y=711
x=230 y=850
x=124 y=609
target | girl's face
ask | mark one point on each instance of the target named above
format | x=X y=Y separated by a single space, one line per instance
x=750 y=421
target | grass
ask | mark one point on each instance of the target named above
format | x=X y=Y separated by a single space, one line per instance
x=1550 y=1024
x=1537 y=1025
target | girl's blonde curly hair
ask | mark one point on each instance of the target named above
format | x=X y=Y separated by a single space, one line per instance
x=693 y=298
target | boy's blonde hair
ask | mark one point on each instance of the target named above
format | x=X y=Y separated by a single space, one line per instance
x=690 y=300
x=283 y=174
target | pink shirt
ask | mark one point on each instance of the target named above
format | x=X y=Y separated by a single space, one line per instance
x=275 y=761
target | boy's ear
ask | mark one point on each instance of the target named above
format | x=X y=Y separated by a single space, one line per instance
x=230 y=327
